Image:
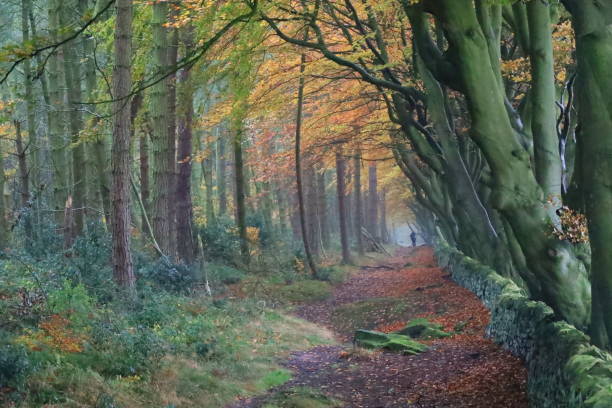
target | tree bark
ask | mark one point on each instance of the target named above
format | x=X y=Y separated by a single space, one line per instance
x=322 y=209
x=240 y=195
x=120 y=157
x=372 y=221
x=72 y=75
x=161 y=141
x=341 y=190
x=358 y=216
x=593 y=26
x=56 y=119
x=543 y=95
x=184 y=213
x=222 y=174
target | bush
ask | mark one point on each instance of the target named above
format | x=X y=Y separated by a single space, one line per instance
x=167 y=275
x=129 y=351
x=331 y=274
x=220 y=240
x=224 y=274
x=14 y=366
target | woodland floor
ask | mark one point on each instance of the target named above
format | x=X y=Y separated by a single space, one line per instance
x=465 y=370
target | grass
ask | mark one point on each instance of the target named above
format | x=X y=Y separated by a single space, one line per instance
x=253 y=343
x=301 y=397
x=368 y=314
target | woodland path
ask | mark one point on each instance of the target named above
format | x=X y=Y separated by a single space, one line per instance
x=465 y=370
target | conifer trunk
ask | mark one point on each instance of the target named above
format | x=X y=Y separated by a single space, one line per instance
x=120 y=157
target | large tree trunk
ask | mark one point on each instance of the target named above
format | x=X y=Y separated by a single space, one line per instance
x=562 y=280
x=544 y=118
x=172 y=138
x=341 y=190
x=184 y=213
x=120 y=157
x=593 y=25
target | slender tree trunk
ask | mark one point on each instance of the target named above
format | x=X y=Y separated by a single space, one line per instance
x=144 y=176
x=4 y=231
x=341 y=190
x=161 y=141
x=358 y=216
x=240 y=195
x=30 y=100
x=207 y=172
x=24 y=182
x=184 y=212
x=281 y=201
x=384 y=232
x=72 y=75
x=322 y=209
x=372 y=222
x=56 y=120
x=120 y=157
x=298 y=169
x=312 y=216
x=221 y=174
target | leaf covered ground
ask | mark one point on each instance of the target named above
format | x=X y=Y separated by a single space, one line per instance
x=463 y=370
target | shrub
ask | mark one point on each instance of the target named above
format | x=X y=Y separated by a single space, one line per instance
x=167 y=275
x=220 y=239
x=14 y=367
x=224 y=274
x=305 y=291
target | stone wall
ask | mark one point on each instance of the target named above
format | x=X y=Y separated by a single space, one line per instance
x=564 y=369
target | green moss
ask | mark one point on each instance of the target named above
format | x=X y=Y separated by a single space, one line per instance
x=392 y=342
x=305 y=291
x=423 y=329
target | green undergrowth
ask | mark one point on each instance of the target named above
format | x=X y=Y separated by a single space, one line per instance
x=70 y=338
x=301 y=397
x=175 y=351
x=370 y=313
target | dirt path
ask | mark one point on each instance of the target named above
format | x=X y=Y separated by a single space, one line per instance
x=465 y=370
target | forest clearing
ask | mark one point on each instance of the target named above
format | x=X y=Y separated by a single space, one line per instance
x=305 y=203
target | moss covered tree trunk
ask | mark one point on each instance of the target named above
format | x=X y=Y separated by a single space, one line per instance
x=561 y=278
x=593 y=25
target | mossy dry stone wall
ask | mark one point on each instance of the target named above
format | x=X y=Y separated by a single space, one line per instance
x=565 y=370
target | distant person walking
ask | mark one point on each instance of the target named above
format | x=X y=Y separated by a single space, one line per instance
x=413 y=238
